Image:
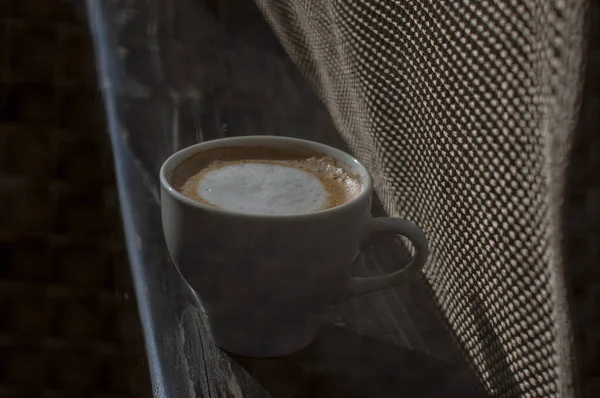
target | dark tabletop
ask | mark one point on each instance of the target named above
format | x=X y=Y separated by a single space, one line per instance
x=175 y=73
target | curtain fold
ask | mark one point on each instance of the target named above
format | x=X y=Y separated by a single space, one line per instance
x=464 y=112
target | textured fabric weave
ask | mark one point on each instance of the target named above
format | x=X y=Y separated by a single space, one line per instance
x=463 y=111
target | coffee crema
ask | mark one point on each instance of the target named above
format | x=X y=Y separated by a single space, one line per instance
x=260 y=180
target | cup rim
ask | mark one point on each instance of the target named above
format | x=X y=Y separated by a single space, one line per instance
x=263 y=140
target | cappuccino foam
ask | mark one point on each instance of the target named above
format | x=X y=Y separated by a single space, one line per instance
x=272 y=186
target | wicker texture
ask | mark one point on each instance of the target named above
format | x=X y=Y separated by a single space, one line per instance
x=464 y=112
x=64 y=329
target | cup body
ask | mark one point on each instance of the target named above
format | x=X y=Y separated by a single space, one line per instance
x=264 y=281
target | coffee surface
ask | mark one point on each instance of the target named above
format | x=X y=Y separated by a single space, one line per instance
x=253 y=183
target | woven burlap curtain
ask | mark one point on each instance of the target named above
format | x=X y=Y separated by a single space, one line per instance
x=464 y=112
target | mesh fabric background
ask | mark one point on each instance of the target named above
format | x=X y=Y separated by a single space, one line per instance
x=463 y=111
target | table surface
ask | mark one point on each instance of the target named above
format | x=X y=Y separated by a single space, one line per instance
x=181 y=72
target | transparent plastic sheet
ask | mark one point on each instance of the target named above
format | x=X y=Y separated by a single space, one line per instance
x=464 y=112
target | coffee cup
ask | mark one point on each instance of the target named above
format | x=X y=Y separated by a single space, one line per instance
x=265 y=278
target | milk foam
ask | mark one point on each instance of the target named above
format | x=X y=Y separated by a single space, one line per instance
x=262 y=188
x=266 y=186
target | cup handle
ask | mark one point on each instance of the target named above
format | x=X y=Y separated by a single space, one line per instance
x=408 y=229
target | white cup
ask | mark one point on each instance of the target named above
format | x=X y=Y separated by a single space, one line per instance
x=264 y=281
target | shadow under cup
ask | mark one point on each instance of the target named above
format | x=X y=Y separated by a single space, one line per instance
x=264 y=281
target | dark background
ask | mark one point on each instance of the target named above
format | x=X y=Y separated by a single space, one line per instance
x=68 y=322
